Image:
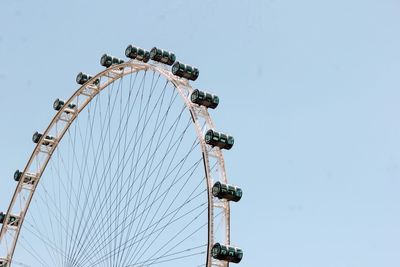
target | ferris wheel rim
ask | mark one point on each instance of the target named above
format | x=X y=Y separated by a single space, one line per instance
x=114 y=73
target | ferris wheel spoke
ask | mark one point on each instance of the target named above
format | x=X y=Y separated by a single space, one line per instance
x=135 y=258
x=125 y=210
x=153 y=225
x=52 y=213
x=37 y=257
x=130 y=242
x=57 y=214
x=149 y=158
x=99 y=152
x=94 y=168
x=167 y=260
x=77 y=240
x=198 y=185
x=162 y=259
x=134 y=217
x=163 y=200
x=157 y=229
x=80 y=188
x=138 y=206
x=82 y=191
x=128 y=245
x=176 y=212
x=48 y=244
x=49 y=218
x=82 y=170
x=94 y=173
x=162 y=216
x=145 y=114
x=45 y=237
x=125 y=195
x=77 y=207
x=155 y=261
x=142 y=176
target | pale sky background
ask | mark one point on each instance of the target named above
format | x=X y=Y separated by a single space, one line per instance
x=310 y=90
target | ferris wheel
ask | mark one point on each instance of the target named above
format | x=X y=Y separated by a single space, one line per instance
x=129 y=172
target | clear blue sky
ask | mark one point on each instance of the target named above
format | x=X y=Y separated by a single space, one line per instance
x=310 y=90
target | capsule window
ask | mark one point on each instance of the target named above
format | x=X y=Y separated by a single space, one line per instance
x=12 y=219
x=143 y=55
x=216 y=100
x=223 y=250
x=231 y=190
x=189 y=69
x=216 y=188
x=239 y=192
x=223 y=138
x=195 y=95
x=231 y=252
x=230 y=140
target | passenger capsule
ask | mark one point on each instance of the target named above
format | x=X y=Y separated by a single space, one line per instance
x=83 y=78
x=185 y=71
x=17 y=175
x=59 y=104
x=226 y=253
x=162 y=56
x=107 y=60
x=226 y=191
x=3 y=263
x=218 y=139
x=47 y=140
x=204 y=99
x=28 y=179
x=12 y=219
x=137 y=53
